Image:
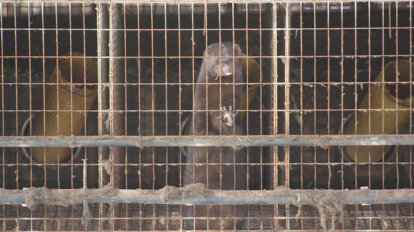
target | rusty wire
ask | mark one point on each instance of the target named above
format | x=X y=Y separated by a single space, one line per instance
x=317 y=60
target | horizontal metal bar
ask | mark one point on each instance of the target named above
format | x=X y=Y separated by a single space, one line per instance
x=85 y=7
x=204 y=141
x=199 y=194
x=199 y=1
x=82 y=7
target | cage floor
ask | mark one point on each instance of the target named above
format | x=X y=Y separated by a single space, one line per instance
x=390 y=217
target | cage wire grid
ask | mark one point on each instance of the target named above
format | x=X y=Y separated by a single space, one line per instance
x=100 y=115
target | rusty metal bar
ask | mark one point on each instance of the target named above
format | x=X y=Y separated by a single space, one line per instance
x=116 y=101
x=103 y=70
x=202 y=1
x=286 y=62
x=205 y=141
x=103 y=100
x=37 y=7
x=199 y=194
x=273 y=120
x=116 y=92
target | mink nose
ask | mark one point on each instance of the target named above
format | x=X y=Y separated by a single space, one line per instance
x=226 y=70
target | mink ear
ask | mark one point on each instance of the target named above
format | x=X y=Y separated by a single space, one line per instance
x=236 y=47
x=210 y=50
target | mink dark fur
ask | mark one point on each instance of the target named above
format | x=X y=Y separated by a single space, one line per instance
x=221 y=67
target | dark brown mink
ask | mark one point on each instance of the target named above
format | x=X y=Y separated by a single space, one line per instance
x=216 y=90
x=218 y=167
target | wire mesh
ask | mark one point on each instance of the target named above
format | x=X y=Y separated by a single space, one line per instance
x=250 y=95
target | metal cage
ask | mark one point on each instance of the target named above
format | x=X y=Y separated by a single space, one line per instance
x=195 y=115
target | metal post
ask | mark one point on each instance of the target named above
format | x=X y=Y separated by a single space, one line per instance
x=103 y=68
x=116 y=100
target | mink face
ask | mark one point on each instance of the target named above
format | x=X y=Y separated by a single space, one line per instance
x=219 y=61
x=222 y=71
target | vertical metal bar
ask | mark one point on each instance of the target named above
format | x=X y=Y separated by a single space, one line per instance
x=116 y=99
x=180 y=161
x=383 y=81
x=71 y=98
x=30 y=62
x=247 y=108
x=166 y=99
x=220 y=90
x=16 y=91
x=126 y=161
x=205 y=33
x=301 y=94
x=411 y=93
x=369 y=77
x=140 y=102
x=125 y=77
x=152 y=95
x=315 y=84
x=260 y=81
x=287 y=102
x=247 y=71
x=124 y=169
x=71 y=90
x=166 y=87
x=329 y=92
x=45 y=80
x=193 y=81
x=117 y=81
x=355 y=86
x=274 y=104
x=270 y=180
x=85 y=87
x=287 y=89
x=342 y=92
x=103 y=104
x=3 y=167
x=180 y=155
x=369 y=99
x=85 y=126
x=398 y=130
x=30 y=93
x=140 y=131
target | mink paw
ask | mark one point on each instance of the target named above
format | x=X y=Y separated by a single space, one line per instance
x=228 y=116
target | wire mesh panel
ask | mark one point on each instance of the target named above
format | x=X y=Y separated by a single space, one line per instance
x=179 y=115
x=346 y=68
